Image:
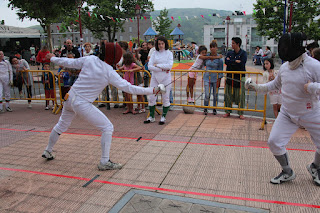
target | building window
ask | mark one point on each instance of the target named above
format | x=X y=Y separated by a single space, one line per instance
x=211 y=31
x=121 y=38
x=130 y=37
x=130 y=29
x=248 y=31
x=238 y=31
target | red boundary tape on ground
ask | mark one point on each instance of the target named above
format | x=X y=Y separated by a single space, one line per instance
x=168 y=141
x=166 y=190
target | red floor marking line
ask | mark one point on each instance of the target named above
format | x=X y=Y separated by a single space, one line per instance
x=168 y=141
x=167 y=190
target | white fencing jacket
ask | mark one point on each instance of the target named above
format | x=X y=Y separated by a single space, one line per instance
x=95 y=75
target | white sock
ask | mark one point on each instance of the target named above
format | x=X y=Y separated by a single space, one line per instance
x=1 y=106
x=7 y=104
x=54 y=136
x=106 y=138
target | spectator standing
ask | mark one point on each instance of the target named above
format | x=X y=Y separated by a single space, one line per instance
x=236 y=61
x=88 y=51
x=212 y=80
x=70 y=48
x=41 y=57
x=6 y=80
x=131 y=67
x=275 y=95
x=47 y=80
x=19 y=68
x=144 y=52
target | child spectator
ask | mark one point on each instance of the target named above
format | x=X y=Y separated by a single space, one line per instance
x=64 y=82
x=41 y=57
x=316 y=53
x=131 y=67
x=47 y=80
x=275 y=95
x=192 y=76
x=138 y=81
x=73 y=73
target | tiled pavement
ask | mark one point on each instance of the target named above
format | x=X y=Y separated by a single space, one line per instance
x=193 y=156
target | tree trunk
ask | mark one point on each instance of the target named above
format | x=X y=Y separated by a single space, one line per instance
x=109 y=34
x=49 y=38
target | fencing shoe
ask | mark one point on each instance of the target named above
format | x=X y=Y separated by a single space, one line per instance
x=283 y=177
x=109 y=166
x=162 y=120
x=315 y=173
x=149 y=120
x=48 y=155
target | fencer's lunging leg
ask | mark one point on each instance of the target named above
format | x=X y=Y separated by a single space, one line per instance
x=106 y=138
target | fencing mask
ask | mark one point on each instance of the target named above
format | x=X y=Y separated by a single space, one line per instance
x=110 y=52
x=291 y=46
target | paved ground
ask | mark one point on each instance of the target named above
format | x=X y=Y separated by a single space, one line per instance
x=221 y=161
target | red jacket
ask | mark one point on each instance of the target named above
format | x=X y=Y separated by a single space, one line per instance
x=41 y=57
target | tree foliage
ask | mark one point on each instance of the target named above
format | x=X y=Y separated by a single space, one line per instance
x=119 y=10
x=270 y=18
x=45 y=12
x=163 y=24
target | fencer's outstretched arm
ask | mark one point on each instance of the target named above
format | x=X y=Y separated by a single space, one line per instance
x=69 y=62
x=122 y=84
x=264 y=88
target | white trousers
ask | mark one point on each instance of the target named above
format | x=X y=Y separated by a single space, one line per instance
x=156 y=79
x=286 y=125
x=75 y=105
x=5 y=88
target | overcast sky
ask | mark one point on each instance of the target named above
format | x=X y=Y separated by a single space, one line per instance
x=11 y=18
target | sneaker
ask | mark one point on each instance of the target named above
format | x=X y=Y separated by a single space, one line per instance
x=150 y=120
x=48 y=155
x=109 y=166
x=162 y=120
x=29 y=106
x=1 y=111
x=283 y=177
x=142 y=110
x=214 y=111
x=8 y=109
x=171 y=107
x=226 y=115
x=116 y=106
x=205 y=111
x=315 y=173
x=192 y=100
x=47 y=108
x=189 y=100
x=101 y=105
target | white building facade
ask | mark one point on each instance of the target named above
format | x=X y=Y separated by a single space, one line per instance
x=238 y=26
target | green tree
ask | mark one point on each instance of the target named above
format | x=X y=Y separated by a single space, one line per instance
x=45 y=13
x=163 y=24
x=270 y=17
x=119 y=10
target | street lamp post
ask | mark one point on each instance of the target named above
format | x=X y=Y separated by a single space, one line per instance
x=80 y=27
x=138 y=11
x=228 y=21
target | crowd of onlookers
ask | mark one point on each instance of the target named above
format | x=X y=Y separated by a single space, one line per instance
x=135 y=61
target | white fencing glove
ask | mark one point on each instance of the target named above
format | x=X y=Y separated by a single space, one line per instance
x=249 y=84
x=159 y=89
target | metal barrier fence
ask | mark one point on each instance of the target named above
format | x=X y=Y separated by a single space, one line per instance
x=34 y=85
x=179 y=84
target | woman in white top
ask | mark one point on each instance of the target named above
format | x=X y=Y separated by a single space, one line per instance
x=275 y=95
x=6 y=80
x=160 y=64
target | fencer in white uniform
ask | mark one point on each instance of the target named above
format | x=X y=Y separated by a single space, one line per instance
x=160 y=64
x=6 y=81
x=95 y=75
x=299 y=81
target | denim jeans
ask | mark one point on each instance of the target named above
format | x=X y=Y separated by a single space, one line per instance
x=208 y=86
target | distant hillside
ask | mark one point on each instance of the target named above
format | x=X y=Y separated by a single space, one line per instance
x=193 y=27
x=38 y=27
